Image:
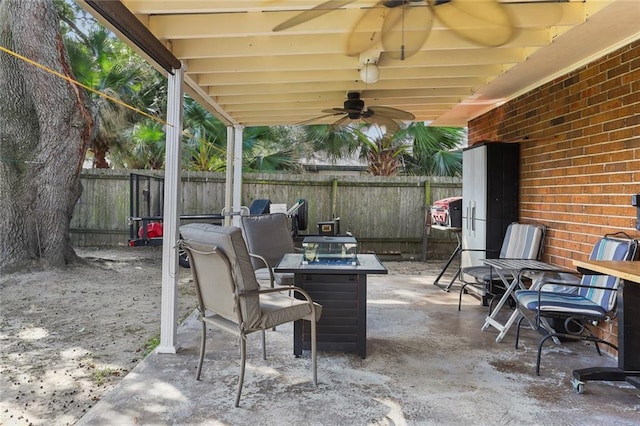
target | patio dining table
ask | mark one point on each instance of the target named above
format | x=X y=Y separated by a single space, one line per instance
x=512 y=269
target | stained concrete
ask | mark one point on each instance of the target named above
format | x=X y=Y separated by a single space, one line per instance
x=427 y=364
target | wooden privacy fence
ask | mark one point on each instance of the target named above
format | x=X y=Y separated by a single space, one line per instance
x=385 y=214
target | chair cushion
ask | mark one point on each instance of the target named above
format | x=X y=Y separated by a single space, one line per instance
x=263 y=274
x=551 y=302
x=553 y=282
x=278 y=309
x=284 y=278
x=605 y=249
x=281 y=278
x=267 y=235
x=521 y=241
x=229 y=240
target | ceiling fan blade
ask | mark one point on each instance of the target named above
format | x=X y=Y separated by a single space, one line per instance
x=485 y=22
x=313 y=13
x=405 y=30
x=337 y=111
x=311 y=120
x=389 y=112
x=341 y=122
x=365 y=34
x=390 y=125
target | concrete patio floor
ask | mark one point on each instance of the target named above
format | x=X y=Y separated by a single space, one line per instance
x=427 y=364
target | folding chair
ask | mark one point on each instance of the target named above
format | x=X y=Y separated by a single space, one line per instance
x=521 y=241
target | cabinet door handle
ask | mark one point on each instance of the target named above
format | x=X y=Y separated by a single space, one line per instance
x=473 y=218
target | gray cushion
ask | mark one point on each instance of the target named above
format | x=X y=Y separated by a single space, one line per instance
x=268 y=236
x=279 y=309
x=228 y=239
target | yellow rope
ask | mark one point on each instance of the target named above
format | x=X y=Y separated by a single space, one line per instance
x=70 y=80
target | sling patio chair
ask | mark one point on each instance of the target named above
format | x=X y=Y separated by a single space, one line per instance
x=229 y=296
x=521 y=241
x=594 y=300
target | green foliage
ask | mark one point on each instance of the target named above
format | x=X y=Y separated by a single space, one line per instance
x=205 y=139
x=133 y=140
x=435 y=150
x=333 y=142
x=150 y=345
x=383 y=153
x=100 y=376
x=268 y=149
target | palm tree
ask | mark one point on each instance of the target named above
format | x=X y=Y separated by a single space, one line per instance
x=145 y=147
x=264 y=148
x=105 y=64
x=383 y=153
x=269 y=149
x=205 y=139
x=435 y=150
x=331 y=142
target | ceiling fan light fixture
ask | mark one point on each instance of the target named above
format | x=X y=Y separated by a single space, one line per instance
x=369 y=73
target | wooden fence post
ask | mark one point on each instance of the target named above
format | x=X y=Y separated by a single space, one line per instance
x=427 y=219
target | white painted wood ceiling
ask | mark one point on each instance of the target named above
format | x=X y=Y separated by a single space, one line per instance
x=247 y=74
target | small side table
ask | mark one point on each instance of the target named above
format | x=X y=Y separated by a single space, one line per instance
x=456 y=253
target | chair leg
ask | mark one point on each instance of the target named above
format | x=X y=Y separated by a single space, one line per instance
x=544 y=339
x=313 y=352
x=203 y=340
x=462 y=287
x=518 y=330
x=264 y=346
x=243 y=360
x=598 y=348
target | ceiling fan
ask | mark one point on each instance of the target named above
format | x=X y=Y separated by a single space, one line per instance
x=403 y=26
x=354 y=109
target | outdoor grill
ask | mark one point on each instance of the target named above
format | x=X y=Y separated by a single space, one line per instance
x=447 y=212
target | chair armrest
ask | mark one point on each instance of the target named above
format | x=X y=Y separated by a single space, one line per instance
x=272 y=277
x=558 y=280
x=568 y=284
x=278 y=290
x=287 y=288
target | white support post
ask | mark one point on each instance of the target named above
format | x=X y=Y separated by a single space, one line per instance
x=171 y=214
x=228 y=186
x=237 y=173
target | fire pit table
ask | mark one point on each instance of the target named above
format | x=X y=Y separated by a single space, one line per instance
x=341 y=288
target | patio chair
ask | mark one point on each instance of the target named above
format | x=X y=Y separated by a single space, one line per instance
x=521 y=241
x=229 y=296
x=268 y=240
x=595 y=299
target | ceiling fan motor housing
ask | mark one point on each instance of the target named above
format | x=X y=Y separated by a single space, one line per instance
x=354 y=103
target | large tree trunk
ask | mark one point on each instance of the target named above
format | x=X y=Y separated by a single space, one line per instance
x=44 y=134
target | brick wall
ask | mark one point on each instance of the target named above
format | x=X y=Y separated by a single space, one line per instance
x=580 y=148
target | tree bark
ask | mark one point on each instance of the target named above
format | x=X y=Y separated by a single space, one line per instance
x=44 y=134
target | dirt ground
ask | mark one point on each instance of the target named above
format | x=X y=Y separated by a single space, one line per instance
x=68 y=336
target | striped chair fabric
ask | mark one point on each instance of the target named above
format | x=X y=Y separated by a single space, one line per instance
x=521 y=241
x=589 y=302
